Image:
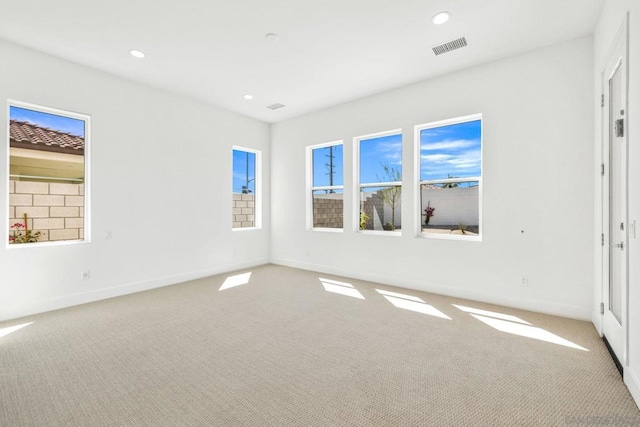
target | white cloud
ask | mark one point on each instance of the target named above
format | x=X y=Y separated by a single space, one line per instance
x=460 y=164
x=449 y=144
x=437 y=158
x=389 y=146
x=466 y=160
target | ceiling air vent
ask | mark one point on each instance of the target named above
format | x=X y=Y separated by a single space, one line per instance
x=449 y=46
x=275 y=106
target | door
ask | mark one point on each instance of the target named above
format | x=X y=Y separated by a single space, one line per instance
x=615 y=203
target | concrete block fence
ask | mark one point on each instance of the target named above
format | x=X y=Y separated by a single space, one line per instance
x=453 y=206
x=54 y=209
x=328 y=210
x=244 y=210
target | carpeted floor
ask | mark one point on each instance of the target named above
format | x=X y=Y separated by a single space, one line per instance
x=288 y=348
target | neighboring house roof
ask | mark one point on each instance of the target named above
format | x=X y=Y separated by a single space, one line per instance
x=33 y=137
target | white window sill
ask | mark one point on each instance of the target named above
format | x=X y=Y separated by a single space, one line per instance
x=381 y=233
x=246 y=229
x=328 y=230
x=19 y=246
x=436 y=236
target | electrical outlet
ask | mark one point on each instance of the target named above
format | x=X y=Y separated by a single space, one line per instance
x=524 y=281
x=85 y=275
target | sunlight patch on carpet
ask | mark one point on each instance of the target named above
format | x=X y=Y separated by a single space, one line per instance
x=412 y=303
x=11 y=329
x=342 y=288
x=237 y=280
x=527 y=331
x=493 y=314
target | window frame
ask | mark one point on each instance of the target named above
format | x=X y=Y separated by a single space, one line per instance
x=310 y=188
x=257 y=224
x=358 y=185
x=417 y=167
x=86 y=118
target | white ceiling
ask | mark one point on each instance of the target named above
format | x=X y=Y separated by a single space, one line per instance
x=328 y=51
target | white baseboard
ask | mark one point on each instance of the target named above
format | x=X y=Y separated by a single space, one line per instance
x=545 y=307
x=44 y=305
x=633 y=384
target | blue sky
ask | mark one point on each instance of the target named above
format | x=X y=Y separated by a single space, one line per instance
x=451 y=151
x=375 y=152
x=240 y=176
x=51 y=121
x=321 y=168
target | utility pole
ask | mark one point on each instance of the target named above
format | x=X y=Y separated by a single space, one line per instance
x=330 y=167
x=245 y=188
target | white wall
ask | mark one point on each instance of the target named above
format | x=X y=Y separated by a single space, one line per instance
x=166 y=159
x=538 y=128
x=613 y=14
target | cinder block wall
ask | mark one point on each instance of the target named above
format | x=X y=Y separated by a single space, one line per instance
x=54 y=209
x=327 y=212
x=244 y=210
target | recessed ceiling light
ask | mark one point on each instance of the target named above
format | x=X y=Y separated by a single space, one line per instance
x=440 y=18
x=137 y=53
x=272 y=37
x=247 y=96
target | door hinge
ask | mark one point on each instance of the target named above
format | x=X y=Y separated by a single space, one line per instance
x=601 y=308
x=602 y=239
x=619 y=128
x=602 y=169
x=602 y=100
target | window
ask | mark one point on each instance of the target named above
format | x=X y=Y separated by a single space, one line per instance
x=48 y=152
x=246 y=189
x=450 y=156
x=326 y=195
x=379 y=178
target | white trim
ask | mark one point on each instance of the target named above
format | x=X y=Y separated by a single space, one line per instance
x=309 y=188
x=328 y=187
x=447 y=122
x=257 y=185
x=328 y=230
x=326 y=144
x=422 y=285
x=417 y=175
x=632 y=382
x=86 y=118
x=49 y=304
x=443 y=236
x=358 y=185
x=381 y=184
x=381 y=233
x=619 y=44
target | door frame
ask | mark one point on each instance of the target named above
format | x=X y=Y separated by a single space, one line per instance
x=602 y=284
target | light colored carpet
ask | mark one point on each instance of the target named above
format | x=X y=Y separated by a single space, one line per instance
x=282 y=350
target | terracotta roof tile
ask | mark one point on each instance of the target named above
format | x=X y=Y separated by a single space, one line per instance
x=33 y=137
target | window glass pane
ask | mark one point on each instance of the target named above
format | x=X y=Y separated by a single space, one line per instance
x=451 y=151
x=327 y=166
x=328 y=208
x=380 y=208
x=244 y=172
x=244 y=184
x=46 y=176
x=381 y=159
x=450 y=208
